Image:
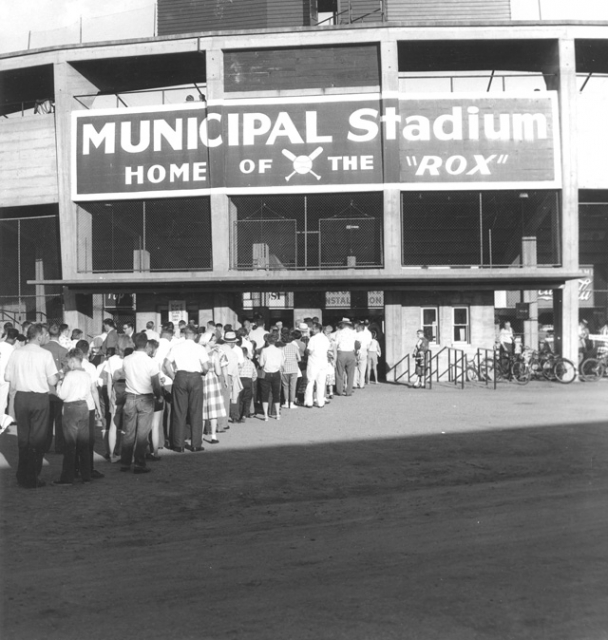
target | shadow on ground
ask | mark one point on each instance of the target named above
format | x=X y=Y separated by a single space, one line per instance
x=497 y=532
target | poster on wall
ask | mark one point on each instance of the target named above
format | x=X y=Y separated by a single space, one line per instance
x=177 y=311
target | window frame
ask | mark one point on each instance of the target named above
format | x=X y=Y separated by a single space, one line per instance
x=467 y=325
x=436 y=339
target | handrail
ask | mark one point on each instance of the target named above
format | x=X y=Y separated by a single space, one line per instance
x=394 y=368
x=436 y=358
x=489 y=354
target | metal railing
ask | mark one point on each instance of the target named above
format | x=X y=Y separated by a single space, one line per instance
x=480 y=369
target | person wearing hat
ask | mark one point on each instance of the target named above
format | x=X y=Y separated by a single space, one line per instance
x=347 y=347
x=231 y=392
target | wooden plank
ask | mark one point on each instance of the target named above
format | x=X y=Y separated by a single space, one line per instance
x=466 y=10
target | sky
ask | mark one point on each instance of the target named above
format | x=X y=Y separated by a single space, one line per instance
x=53 y=22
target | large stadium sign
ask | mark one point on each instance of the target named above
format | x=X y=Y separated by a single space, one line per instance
x=331 y=143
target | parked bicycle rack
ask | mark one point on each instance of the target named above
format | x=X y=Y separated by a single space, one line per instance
x=482 y=356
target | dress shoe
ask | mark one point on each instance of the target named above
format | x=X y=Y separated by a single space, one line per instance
x=214 y=441
x=178 y=449
x=97 y=475
x=197 y=449
x=241 y=421
x=141 y=470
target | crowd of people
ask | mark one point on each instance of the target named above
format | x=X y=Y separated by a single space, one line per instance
x=153 y=390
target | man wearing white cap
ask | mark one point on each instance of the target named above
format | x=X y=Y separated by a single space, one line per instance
x=346 y=360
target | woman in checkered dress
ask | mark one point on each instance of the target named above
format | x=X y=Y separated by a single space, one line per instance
x=213 y=401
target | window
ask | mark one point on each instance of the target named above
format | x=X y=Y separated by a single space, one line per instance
x=430 y=324
x=461 y=324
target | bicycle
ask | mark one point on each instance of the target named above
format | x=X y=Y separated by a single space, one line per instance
x=506 y=367
x=593 y=369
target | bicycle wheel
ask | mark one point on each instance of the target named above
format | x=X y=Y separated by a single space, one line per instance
x=591 y=370
x=548 y=369
x=521 y=372
x=473 y=374
x=565 y=371
x=487 y=371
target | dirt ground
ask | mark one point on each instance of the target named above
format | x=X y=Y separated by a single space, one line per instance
x=407 y=514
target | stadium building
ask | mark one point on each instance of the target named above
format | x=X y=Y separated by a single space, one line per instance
x=426 y=164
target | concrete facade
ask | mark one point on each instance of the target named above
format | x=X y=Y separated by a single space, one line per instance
x=217 y=293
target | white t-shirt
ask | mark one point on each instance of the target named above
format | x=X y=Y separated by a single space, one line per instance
x=318 y=346
x=139 y=369
x=29 y=369
x=188 y=356
x=5 y=353
x=365 y=338
x=257 y=335
x=76 y=386
x=91 y=369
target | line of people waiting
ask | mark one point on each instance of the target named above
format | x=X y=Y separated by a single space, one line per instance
x=150 y=390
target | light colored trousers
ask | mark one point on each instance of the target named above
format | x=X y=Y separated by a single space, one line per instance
x=361 y=368
x=315 y=374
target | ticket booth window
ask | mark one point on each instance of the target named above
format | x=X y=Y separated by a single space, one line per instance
x=461 y=324
x=430 y=323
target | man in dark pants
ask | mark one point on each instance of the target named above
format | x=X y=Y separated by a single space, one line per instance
x=142 y=386
x=30 y=371
x=59 y=354
x=185 y=364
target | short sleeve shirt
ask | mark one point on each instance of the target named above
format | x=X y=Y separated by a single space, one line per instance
x=188 y=356
x=29 y=369
x=139 y=369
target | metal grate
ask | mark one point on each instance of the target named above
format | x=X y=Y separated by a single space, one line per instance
x=483 y=229
x=308 y=232
x=149 y=235
x=29 y=250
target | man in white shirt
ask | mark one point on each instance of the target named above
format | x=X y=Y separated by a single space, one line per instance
x=150 y=332
x=142 y=386
x=7 y=346
x=30 y=371
x=316 y=369
x=364 y=337
x=185 y=364
x=346 y=361
x=257 y=334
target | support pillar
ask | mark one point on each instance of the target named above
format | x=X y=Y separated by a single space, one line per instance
x=568 y=93
x=393 y=312
x=529 y=259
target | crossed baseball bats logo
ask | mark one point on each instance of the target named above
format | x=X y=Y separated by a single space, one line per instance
x=302 y=164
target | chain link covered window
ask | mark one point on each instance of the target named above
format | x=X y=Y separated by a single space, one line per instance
x=150 y=235
x=320 y=231
x=30 y=250
x=482 y=229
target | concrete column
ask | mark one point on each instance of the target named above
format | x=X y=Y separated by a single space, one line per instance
x=569 y=223
x=78 y=313
x=220 y=231
x=389 y=57
x=529 y=259
x=225 y=309
x=220 y=203
x=68 y=83
x=392 y=230
x=394 y=347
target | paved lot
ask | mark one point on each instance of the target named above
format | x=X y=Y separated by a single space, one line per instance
x=396 y=513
